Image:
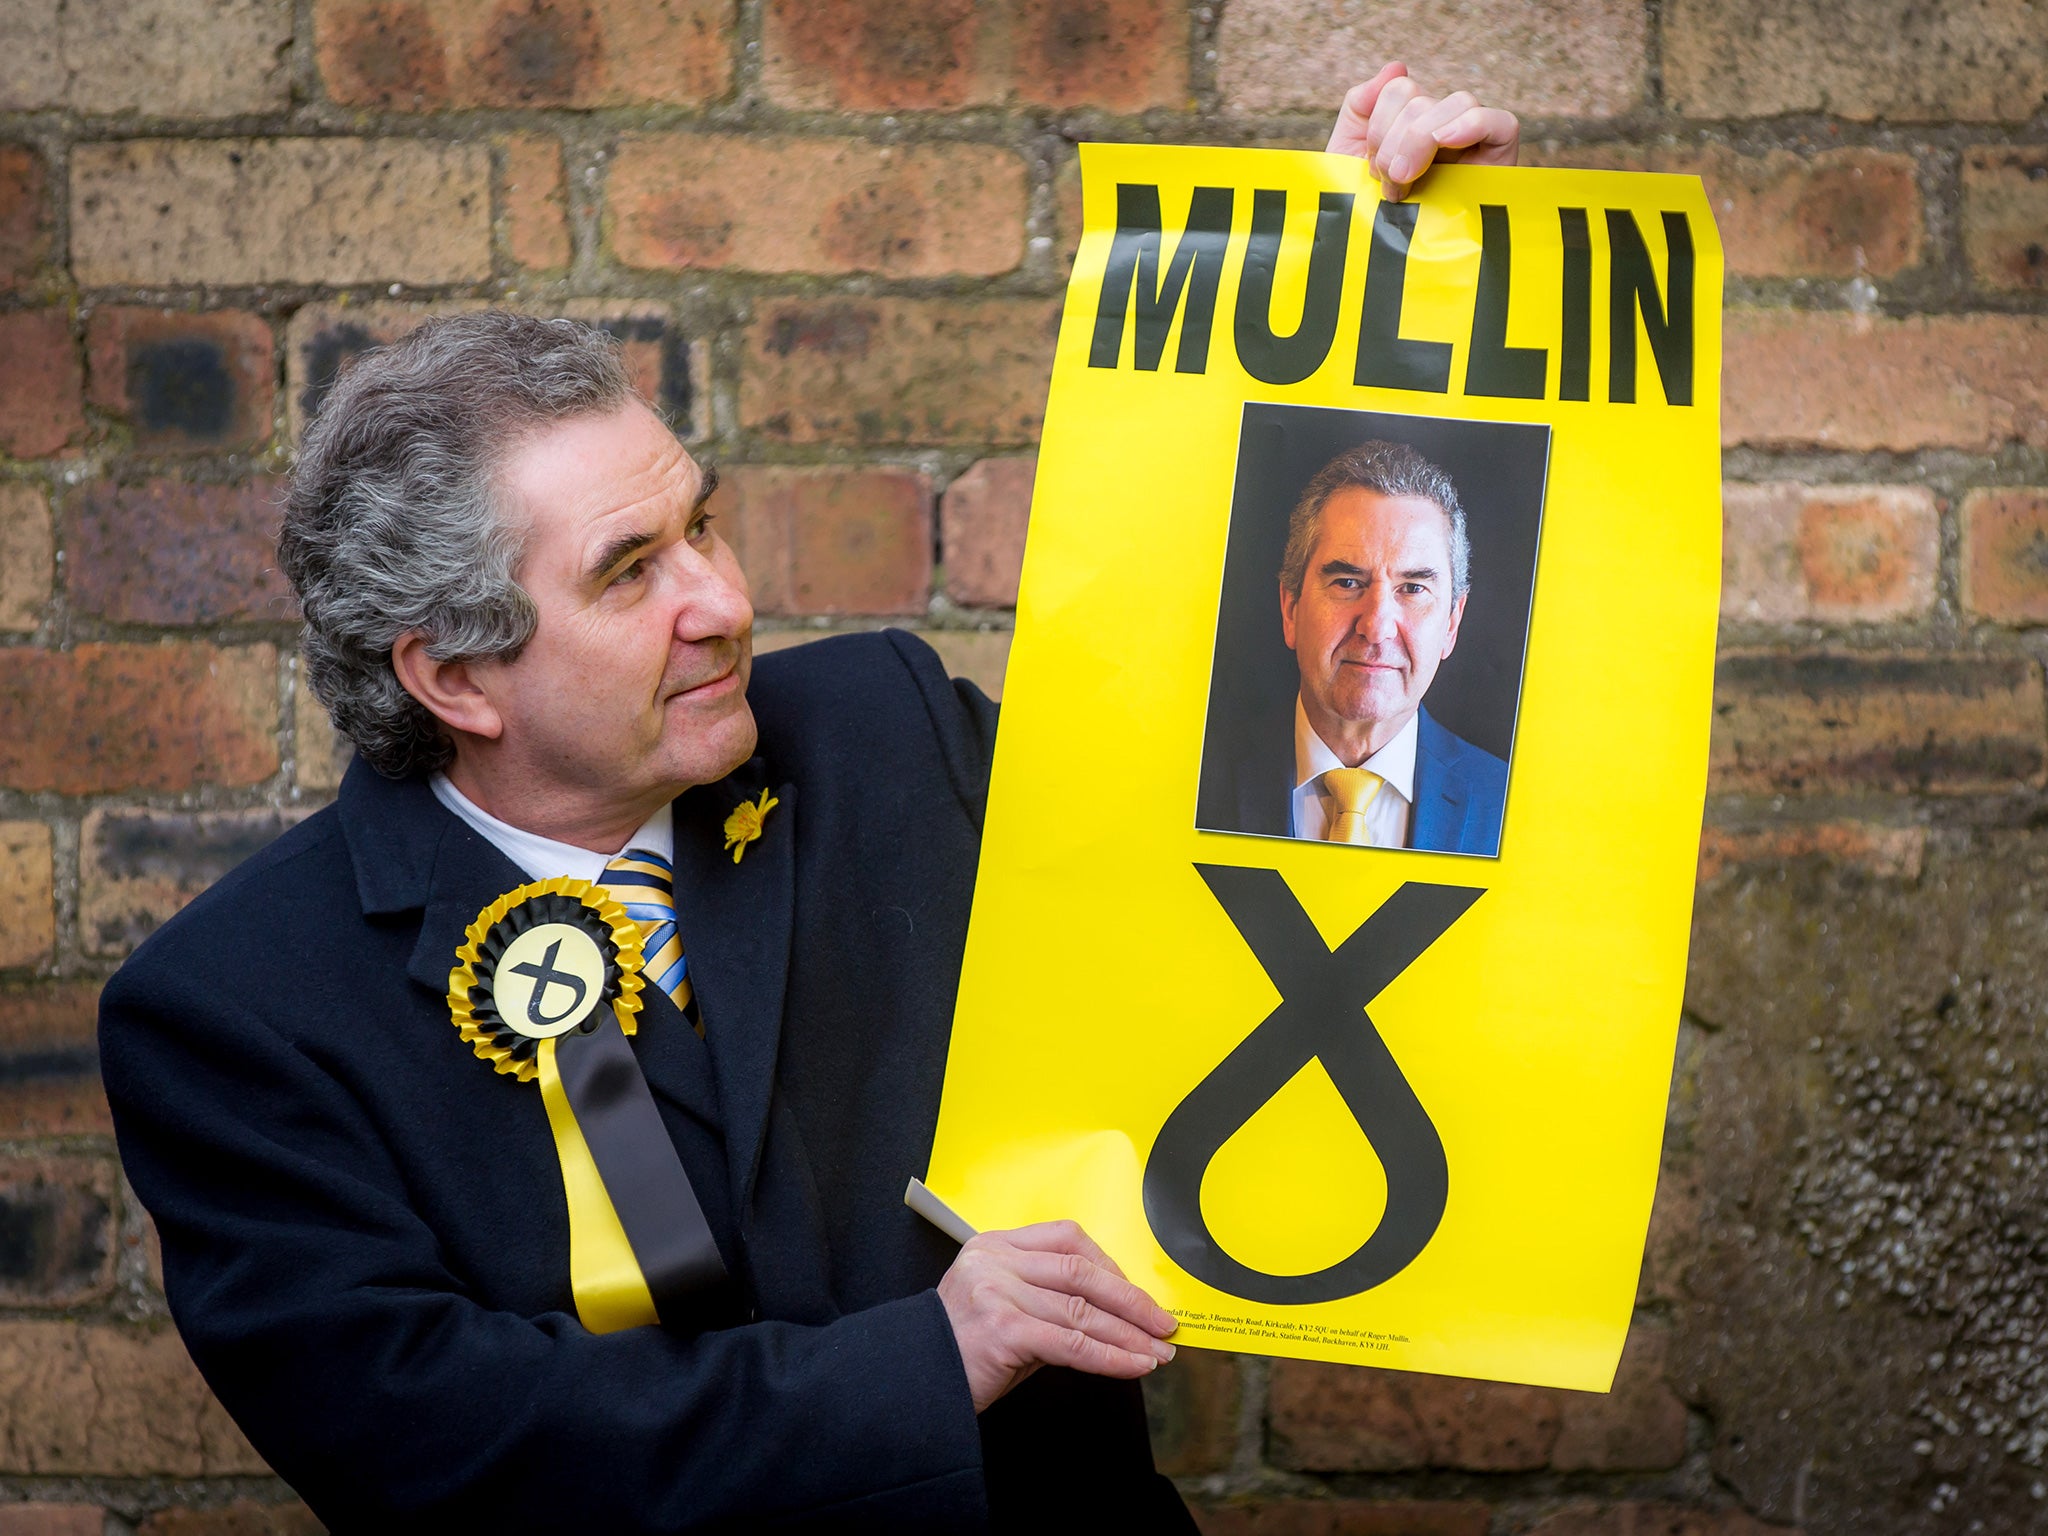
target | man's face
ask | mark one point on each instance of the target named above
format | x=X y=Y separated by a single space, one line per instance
x=1375 y=616
x=634 y=685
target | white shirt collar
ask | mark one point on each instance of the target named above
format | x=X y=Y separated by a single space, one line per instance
x=542 y=857
x=1395 y=762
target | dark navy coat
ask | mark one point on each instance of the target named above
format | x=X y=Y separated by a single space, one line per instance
x=365 y=1237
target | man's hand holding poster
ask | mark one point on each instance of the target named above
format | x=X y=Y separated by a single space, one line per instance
x=1330 y=931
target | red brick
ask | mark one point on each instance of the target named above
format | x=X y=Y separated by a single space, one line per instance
x=899 y=370
x=49 y=1060
x=982 y=521
x=60 y=1215
x=918 y=55
x=1859 y=383
x=137 y=868
x=536 y=201
x=1340 y=1418
x=1892 y=853
x=2005 y=217
x=1344 y=1517
x=165 y=552
x=1973 y=59
x=1844 y=552
x=41 y=384
x=784 y=204
x=26 y=221
x=51 y=1520
x=185 y=381
x=229 y=212
x=107 y=1400
x=1674 y=1235
x=163 y=58
x=1192 y=1405
x=830 y=541
x=1636 y=1519
x=28 y=911
x=2005 y=554
x=1583 y=60
x=1940 y=724
x=27 y=554
x=164 y=717
x=430 y=54
x=1637 y=1426
x=244 y=1517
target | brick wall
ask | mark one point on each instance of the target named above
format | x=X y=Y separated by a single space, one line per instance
x=832 y=235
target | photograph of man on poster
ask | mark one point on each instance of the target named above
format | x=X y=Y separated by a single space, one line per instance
x=1375 y=579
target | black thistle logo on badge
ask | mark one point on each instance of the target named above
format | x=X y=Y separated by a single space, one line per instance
x=539 y=962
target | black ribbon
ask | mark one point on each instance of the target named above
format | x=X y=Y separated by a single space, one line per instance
x=1323 y=996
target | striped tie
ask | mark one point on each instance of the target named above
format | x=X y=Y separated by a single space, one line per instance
x=644 y=884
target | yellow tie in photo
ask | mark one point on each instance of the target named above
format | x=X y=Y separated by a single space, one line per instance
x=1352 y=790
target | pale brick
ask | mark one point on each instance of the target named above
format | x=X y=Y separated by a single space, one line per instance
x=321 y=754
x=186 y=382
x=233 y=211
x=1630 y=1518
x=830 y=541
x=26 y=553
x=137 y=868
x=1343 y=1517
x=164 y=58
x=1636 y=1426
x=876 y=370
x=1795 y=552
x=49 y=1061
x=1914 y=60
x=1583 y=60
x=432 y=54
x=2005 y=217
x=536 y=201
x=1941 y=724
x=979 y=656
x=144 y=717
x=1859 y=383
x=59 y=1215
x=1337 y=1418
x=28 y=913
x=982 y=521
x=51 y=1520
x=787 y=204
x=2005 y=554
x=108 y=1400
x=1891 y=853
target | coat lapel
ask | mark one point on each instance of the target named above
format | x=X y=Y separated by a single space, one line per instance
x=1440 y=797
x=735 y=919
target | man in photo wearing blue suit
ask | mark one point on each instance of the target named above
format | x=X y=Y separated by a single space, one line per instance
x=1372 y=591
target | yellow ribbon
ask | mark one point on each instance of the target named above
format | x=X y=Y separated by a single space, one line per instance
x=604 y=1276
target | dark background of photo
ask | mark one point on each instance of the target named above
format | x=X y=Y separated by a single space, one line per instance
x=1499 y=469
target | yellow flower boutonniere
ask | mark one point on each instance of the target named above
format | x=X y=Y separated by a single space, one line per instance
x=744 y=824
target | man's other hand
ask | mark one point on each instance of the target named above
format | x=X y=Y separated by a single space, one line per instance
x=1389 y=123
x=1046 y=1295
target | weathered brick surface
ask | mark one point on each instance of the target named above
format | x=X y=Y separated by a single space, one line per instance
x=1582 y=60
x=137 y=868
x=1631 y=1518
x=422 y=55
x=917 y=55
x=189 y=382
x=982 y=521
x=28 y=913
x=860 y=370
x=1834 y=214
x=1936 y=724
x=1834 y=552
x=58 y=1218
x=829 y=541
x=780 y=203
x=321 y=754
x=980 y=656
x=52 y=1520
x=1337 y=1418
x=1674 y=1232
x=2005 y=554
x=536 y=200
x=244 y=1517
x=1892 y=853
x=149 y=717
x=165 y=58
x=1191 y=1405
x=41 y=384
x=49 y=1060
x=1969 y=59
x=26 y=553
x=1857 y=383
x=237 y=211
x=168 y=552
x=1344 y=1517
x=1638 y=1426
x=2005 y=217
x=26 y=221
x=112 y=1401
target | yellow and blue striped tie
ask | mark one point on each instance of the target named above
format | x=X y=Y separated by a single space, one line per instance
x=644 y=884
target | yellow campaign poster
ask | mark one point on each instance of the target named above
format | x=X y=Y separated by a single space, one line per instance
x=1330 y=933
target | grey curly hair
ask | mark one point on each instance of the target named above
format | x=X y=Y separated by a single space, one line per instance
x=392 y=520
x=1391 y=469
